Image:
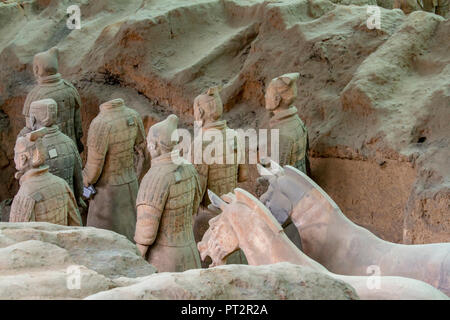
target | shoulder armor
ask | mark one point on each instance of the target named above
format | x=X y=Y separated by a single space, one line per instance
x=70 y=85
x=75 y=91
x=67 y=83
x=154 y=188
x=190 y=168
x=22 y=209
x=302 y=124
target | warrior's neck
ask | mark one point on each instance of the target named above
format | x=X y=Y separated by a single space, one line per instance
x=49 y=79
x=280 y=115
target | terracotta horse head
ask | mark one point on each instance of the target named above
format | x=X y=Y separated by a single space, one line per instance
x=244 y=223
x=331 y=239
x=291 y=192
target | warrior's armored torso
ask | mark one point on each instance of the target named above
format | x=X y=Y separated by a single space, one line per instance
x=62 y=156
x=44 y=197
x=173 y=190
x=293 y=138
x=112 y=135
x=220 y=178
x=68 y=100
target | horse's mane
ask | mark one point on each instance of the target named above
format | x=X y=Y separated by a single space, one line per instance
x=295 y=173
x=259 y=208
x=307 y=181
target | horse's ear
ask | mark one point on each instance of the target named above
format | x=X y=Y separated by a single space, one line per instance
x=228 y=197
x=254 y=204
x=264 y=172
x=305 y=183
x=275 y=168
x=215 y=200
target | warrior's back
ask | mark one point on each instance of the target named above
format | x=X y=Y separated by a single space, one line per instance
x=67 y=99
x=222 y=178
x=293 y=142
x=118 y=128
x=61 y=156
x=47 y=196
x=178 y=185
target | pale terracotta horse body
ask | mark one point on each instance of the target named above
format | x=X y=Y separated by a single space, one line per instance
x=331 y=239
x=247 y=224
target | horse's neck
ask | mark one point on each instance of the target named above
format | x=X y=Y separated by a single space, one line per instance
x=263 y=246
x=321 y=227
x=328 y=235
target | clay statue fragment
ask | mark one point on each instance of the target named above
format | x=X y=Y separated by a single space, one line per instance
x=168 y=197
x=293 y=135
x=439 y=7
x=114 y=135
x=247 y=224
x=61 y=155
x=52 y=86
x=220 y=178
x=42 y=197
x=341 y=246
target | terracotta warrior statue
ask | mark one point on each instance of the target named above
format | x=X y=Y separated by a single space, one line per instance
x=223 y=177
x=61 y=155
x=168 y=197
x=42 y=197
x=293 y=135
x=247 y=224
x=51 y=85
x=331 y=239
x=114 y=136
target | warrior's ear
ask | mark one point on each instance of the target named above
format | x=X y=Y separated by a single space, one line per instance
x=277 y=99
x=36 y=156
x=32 y=122
x=23 y=159
x=201 y=111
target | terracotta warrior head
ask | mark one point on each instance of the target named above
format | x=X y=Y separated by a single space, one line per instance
x=163 y=137
x=29 y=151
x=43 y=113
x=281 y=92
x=208 y=107
x=46 y=63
